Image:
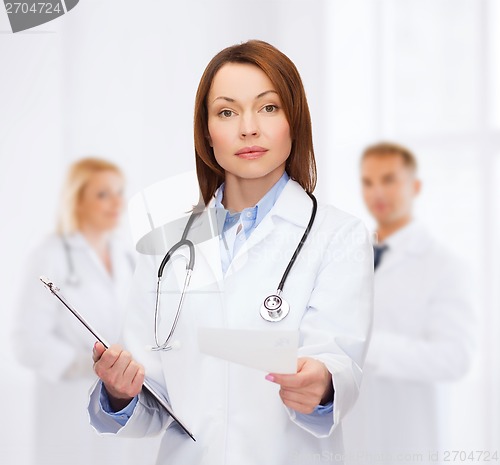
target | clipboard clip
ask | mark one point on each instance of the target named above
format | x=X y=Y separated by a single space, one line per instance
x=49 y=285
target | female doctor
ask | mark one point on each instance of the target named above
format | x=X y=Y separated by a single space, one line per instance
x=255 y=160
x=93 y=269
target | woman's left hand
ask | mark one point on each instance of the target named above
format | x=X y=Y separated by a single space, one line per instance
x=309 y=387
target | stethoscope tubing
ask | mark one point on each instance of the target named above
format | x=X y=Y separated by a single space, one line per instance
x=189 y=269
x=184 y=242
x=303 y=239
x=274 y=313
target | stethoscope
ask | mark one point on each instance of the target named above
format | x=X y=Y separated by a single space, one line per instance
x=273 y=309
x=72 y=278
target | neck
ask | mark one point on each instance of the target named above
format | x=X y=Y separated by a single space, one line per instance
x=384 y=230
x=98 y=239
x=242 y=193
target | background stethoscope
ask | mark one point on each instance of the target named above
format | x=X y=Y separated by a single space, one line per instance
x=274 y=307
x=72 y=278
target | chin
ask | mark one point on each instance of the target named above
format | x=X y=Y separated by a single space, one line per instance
x=382 y=219
x=109 y=225
x=255 y=172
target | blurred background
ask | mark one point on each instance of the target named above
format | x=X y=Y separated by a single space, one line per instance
x=117 y=79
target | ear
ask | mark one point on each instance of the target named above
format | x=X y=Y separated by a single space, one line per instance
x=417 y=186
x=206 y=133
x=209 y=139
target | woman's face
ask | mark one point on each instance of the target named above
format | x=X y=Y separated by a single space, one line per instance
x=247 y=126
x=101 y=202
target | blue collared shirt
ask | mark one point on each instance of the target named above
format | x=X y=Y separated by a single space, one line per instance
x=231 y=241
x=239 y=225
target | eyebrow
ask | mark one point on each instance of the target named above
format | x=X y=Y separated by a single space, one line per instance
x=229 y=99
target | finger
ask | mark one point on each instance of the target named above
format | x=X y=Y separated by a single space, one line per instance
x=110 y=356
x=97 y=351
x=123 y=380
x=130 y=383
x=116 y=383
x=302 y=362
x=112 y=364
x=307 y=398
x=138 y=380
x=293 y=396
x=117 y=370
x=295 y=381
x=301 y=407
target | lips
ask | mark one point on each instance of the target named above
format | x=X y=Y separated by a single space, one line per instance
x=250 y=153
x=379 y=207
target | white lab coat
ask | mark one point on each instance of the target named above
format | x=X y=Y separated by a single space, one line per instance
x=49 y=340
x=423 y=336
x=235 y=414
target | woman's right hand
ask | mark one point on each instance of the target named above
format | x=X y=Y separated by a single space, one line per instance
x=121 y=375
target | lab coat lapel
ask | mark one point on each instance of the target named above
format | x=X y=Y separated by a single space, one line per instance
x=204 y=235
x=390 y=261
x=410 y=241
x=293 y=206
x=207 y=247
x=78 y=241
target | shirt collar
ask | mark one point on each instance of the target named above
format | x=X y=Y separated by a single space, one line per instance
x=252 y=216
x=399 y=237
x=412 y=238
x=75 y=239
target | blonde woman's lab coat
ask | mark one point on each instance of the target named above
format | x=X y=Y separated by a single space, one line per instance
x=423 y=337
x=235 y=414
x=50 y=341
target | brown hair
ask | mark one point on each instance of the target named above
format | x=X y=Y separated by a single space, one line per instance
x=300 y=165
x=391 y=148
x=78 y=176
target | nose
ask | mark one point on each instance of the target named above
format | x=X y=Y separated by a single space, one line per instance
x=248 y=125
x=117 y=200
x=378 y=190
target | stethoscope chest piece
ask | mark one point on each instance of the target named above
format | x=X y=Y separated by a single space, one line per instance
x=274 y=308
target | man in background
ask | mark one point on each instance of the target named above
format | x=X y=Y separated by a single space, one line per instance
x=422 y=332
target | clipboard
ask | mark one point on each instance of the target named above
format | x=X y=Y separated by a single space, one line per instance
x=146 y=386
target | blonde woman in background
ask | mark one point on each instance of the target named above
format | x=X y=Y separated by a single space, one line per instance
x=94 y=270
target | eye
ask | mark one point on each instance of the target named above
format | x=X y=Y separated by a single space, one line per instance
x=102 y=195
x=226 y=113
x=270 y=108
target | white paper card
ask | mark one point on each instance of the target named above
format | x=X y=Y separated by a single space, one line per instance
x=270 y=351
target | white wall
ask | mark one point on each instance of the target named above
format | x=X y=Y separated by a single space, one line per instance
x=117 y=78
x=31 y=164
